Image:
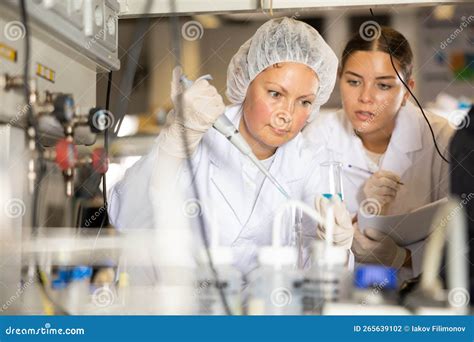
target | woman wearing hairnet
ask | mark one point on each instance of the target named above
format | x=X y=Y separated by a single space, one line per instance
x=276 y=82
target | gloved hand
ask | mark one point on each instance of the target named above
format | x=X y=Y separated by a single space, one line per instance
x=375 y=247
x=202 y=105
x=382 y=187
x=343 y=230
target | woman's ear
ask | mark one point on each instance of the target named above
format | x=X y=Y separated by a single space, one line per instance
x=411 y=85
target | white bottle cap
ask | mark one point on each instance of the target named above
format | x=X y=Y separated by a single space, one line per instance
x=332 y=255
x=277 y=255
x=220 y=256
x=338 y=255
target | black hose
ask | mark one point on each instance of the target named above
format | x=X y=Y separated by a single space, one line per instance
x=176 y=44
x=412 y=95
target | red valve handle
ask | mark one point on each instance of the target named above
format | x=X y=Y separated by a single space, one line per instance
x=66 y=154
x=100 y=162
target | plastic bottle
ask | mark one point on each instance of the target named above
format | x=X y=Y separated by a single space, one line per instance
x=275 y=287
x=229 y=281
x=77 y=291
x=328 y=279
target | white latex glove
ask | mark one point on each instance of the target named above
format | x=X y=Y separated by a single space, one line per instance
x=382 y=187
x=202 y=105
x=343 y=230
x=375 y=247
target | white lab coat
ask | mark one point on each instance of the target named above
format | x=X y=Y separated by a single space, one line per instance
x=218 y=174
x=410 y=154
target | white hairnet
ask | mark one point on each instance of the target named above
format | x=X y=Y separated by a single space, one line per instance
x=277 y=41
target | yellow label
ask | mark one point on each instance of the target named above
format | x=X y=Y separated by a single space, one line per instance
x=8 y=52
x=45 y=72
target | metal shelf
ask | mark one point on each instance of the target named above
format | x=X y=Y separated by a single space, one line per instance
x=152 y=8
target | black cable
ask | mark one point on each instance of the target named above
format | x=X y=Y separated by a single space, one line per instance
x=179 y=114
x=33 y=124
x=31 y=119
x=412 y=95
x=79 y=216
x=106 y=148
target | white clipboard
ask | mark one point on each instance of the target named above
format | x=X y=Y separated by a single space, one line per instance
x=404 y=229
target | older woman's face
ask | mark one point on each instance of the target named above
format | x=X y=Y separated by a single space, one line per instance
x=278 y=103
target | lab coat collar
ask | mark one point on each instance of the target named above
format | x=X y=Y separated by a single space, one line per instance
x=341 y=133
x=406 y=138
